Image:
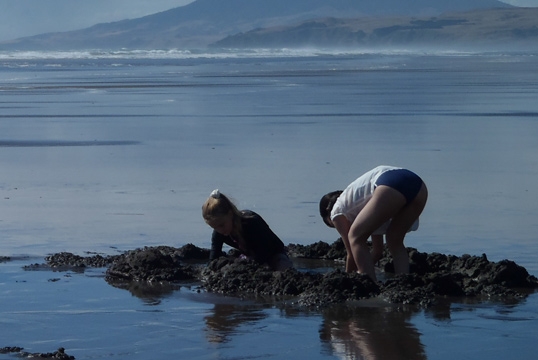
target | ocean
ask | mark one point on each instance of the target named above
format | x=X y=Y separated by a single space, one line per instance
x=103 y=152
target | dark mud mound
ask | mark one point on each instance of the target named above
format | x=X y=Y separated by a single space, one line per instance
x=58 y=354
x=319 y=250
x=432 y=275
x=247 y=278
x=66 y=260
x=477 y=271
x=155 y=264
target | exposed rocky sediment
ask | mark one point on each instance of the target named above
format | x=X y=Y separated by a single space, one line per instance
x=432 y=275
x=246 y=278
x=58 y=354
x=67 y=260
x=156 y=264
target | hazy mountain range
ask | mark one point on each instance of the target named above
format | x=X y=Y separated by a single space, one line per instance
x=278 y=23
x=515 y=29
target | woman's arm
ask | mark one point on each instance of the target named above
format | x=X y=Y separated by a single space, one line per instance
x=216 y=245
x=342 y=225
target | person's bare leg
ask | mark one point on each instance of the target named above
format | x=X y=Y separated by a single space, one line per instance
x=399 y=227
x=398 y=252
x=363 y=259
x=377 y=248
x=384 y=204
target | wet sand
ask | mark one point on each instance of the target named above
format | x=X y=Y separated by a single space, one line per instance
x=318 y=286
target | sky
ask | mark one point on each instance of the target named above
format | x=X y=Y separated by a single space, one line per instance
x=19 y=18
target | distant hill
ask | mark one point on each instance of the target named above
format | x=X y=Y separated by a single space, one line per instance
x=479 y=29
x=203 y=22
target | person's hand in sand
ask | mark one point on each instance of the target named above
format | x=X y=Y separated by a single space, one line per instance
x=384 y=201
x=243 y=230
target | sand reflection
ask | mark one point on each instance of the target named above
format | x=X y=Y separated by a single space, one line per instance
x=226 y=318
x=371 y=333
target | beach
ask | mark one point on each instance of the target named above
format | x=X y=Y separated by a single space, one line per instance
x=104 y=153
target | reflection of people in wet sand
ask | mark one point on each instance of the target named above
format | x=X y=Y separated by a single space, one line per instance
x=226 y=318
x=386 y=200
x=243 y=230
x=371 y=333
x=150 y=293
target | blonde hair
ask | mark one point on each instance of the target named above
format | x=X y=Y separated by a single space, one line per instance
x=218 y=205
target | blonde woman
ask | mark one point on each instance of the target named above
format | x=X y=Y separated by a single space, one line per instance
x=243 y=230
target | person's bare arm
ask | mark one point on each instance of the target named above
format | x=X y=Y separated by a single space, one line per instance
x=342 y=225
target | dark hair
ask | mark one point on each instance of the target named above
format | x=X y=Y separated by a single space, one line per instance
x=326 y=205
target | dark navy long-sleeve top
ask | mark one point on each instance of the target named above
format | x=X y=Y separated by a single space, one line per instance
x=259 y=241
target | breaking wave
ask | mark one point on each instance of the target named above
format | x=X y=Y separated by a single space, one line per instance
x=209 y=53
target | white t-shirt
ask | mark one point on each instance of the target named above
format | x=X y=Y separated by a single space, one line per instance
x=358 y=193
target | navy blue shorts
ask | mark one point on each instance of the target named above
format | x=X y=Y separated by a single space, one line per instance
x=406 y=182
